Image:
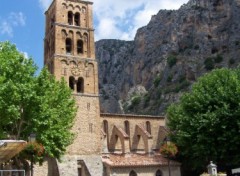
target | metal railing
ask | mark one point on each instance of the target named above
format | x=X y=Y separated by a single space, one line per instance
x=12 y=172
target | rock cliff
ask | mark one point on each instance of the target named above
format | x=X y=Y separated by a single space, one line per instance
x=147 y=74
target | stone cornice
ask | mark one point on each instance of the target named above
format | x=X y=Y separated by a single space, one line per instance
x=73 y=27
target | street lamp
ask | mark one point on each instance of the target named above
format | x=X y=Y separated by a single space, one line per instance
x=32 y=139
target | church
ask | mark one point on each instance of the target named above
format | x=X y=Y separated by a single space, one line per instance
x=105 y=144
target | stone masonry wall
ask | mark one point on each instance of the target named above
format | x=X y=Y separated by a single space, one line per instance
x=118 y=120
x=144 y=171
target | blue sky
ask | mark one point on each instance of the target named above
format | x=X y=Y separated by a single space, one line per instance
x=22 y=21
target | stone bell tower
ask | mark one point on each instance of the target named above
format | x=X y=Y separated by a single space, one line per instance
x=69 y=53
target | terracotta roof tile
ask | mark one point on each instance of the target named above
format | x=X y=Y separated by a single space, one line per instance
x=140 y=160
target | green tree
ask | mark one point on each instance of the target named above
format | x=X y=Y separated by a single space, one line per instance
x=31 y=103
x=169 y=150
x=171 y=60
x=206 y=121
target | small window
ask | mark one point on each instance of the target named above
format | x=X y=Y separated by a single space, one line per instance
x=158 y=173
x=77 y=19
x=70 y=18
x=148 y=127
x=80 y=84
x=68 y=46
x=126 y=126
x=71 y=82
x=132 y=173
x=79 y=46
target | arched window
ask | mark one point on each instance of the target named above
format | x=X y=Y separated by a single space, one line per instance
x=159 y=173
x=80 y=84
x=70 y=18
x=79 y=46
x=148 y=127
x=71 y=82
x=68 y=45
x=105 y=126
x=77 y=19
x=132 y=173
x=126 y=126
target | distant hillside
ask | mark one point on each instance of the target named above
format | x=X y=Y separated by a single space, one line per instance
x=144 y=76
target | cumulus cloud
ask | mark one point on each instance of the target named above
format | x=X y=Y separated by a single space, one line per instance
x=13 y=20
x=121 y=19
x=127 y=16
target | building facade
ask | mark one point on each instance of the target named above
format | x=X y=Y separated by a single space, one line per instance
x=105 y=144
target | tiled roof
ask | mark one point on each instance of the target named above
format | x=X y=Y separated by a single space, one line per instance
x=9 y=148
x=163 y=132
x=136 y=160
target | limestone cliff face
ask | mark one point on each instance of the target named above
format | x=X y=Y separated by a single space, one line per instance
x=177 y=46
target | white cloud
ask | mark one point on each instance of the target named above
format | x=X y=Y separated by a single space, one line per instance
x=6 y=28
x=127 y=16
x=120 y=19
x=13 y=20
x=17 y=19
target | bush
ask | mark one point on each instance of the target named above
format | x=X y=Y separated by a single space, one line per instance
x=209 y=64
x=157 y=80
x=181 y=86
x=146 y=99
x=218 y=59
x=169 y=78
x=231 y=61
x=171 y=60
x=136 y=100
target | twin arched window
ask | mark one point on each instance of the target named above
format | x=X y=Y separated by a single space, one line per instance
x=69 y=46
x=73 y=17
x=79 y=83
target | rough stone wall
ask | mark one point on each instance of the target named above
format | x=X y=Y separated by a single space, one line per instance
x=70 y=164
x=48 y=168
x=119 y=121
x=83 y=31
x=86 y=127
x=144 y=171
x=69 y=22
x=78 y=68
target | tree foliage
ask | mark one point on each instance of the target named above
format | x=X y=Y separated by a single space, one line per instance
x=31 y=103
x=169 y=150
x=206 y=121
